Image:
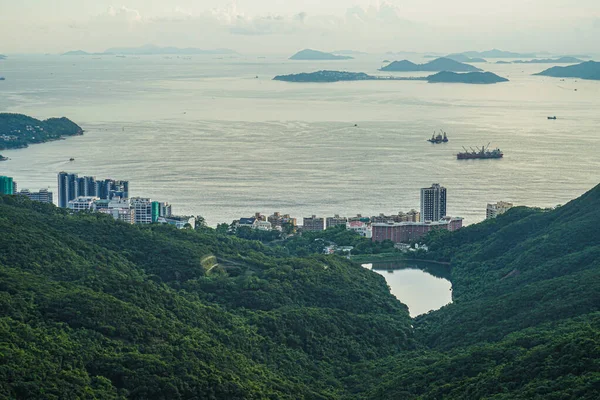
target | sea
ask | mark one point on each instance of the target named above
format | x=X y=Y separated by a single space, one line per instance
x=215 y=136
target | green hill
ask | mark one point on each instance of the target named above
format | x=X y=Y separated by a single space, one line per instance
x=440 y=64
x=587 y=70
x=481 y=78
x=17 y=130
x=90 y=307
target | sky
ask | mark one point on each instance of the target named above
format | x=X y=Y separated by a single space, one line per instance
x=281 y=27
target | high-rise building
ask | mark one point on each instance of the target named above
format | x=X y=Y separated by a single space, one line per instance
x=145 y=210
x=43 y=196
x=336 y=220
x=313 y=224
x=67 y=188
x=493 y=210
x=433 y=203
x=6 y=185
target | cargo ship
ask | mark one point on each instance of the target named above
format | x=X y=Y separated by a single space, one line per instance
x=439 y=138
x=480 y=153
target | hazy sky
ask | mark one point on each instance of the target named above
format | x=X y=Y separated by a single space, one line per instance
x=278 y=26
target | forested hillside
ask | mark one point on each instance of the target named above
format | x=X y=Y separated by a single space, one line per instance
x=93 y=308
x=17 y=130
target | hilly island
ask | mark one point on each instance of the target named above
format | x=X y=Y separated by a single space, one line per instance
x=440 y=64
x=95 y=308
x=343 y=76
x=586 y=70
x=17 y=130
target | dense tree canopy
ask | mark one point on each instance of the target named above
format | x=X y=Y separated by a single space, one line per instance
x=94 y=308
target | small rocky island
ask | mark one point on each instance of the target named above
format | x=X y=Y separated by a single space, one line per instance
x=439 y=64
x=308 y=54
x=476 y=78
x=561 y=60
x=18 y=131
x=587 y=70
x=343 y=76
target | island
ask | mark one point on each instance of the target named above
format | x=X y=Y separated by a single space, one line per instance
x=503 y=62
x=18 y=131
x=478 y=78
x=440 y=64
x=150 y=49
x=2 y=158
x=308 y=54
x=465 y=59
x=344 y=76
x=495 y=53
x=76 y=53
x=561 y=60
x=351 y=53
x=2 y=57
x=586 y=70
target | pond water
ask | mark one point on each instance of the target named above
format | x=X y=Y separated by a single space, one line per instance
x=422 y=286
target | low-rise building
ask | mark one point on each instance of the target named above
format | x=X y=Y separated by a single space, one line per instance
x=493 y=210
x=278 y=221
x=82 y=203
x=313 y=224
x=179 y=222
x=407 y=232
x=126 y=215
x=360 y=227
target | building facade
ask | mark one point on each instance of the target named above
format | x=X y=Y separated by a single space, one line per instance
x=407 y=232
x=493 y=210
x=145 y=211
x=360 y=227
x=336 y=220
x=6 y=185
x=82 y=203
x=433 y=203
x=71 y=186
x=313 y=224
x=43 y=196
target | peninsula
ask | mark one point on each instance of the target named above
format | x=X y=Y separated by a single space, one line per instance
x=150 y=49
x=18 y=131
x=440 y=64
x=586 y=70
x=308 y=54
x=343 y=76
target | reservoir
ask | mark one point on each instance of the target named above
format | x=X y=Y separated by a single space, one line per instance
x=422 y=286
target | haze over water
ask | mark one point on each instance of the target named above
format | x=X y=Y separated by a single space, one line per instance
x=212 y=139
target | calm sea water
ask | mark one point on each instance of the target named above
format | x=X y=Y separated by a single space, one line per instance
x=218 y=138
x=419 y=290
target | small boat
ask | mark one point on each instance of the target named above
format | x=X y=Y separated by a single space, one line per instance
x=554 y=117
x=71 y=159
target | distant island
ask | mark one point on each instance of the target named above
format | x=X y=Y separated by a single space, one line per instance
x=351 y=53
x=440 y=64
x=308 y=54
x=343 y=76
x=495 y=53
x=463 y=58
x=503 y=62
x=587 y=70
x=2 y=158
x=18 y=131
x=151 y=49
x=478 y=78
x=562 y=60
x=2 y=57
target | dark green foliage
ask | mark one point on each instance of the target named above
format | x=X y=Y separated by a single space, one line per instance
x=316 y=241
x=93 y=308
x=17 y=130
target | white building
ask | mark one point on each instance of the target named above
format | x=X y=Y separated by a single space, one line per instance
x=126 y=215
x=493 y=210
x=179 y=222
x=360 y=227
x=82 y=203
x=142 y=209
